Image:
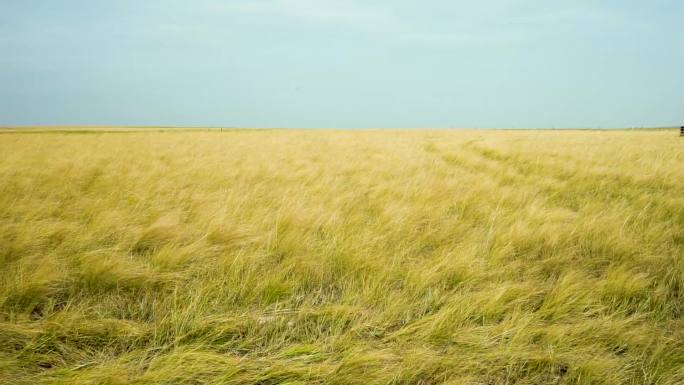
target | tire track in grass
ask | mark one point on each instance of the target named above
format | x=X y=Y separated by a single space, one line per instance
x=532 y=194
x=595 y=244
x=526 y=166
x=544 y=186
x=578 y=188
x=505 y=174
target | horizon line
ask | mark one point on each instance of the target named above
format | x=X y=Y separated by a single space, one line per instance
x=122 y=128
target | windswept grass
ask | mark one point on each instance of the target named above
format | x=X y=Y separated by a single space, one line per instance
x=388 y=257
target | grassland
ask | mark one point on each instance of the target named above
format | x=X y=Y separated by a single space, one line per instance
x=388 y=257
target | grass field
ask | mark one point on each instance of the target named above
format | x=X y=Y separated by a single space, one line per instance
x=342 y=257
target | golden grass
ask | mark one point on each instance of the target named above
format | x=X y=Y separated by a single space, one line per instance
x=342 y=257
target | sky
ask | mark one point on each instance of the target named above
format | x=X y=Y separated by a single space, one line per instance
x=343 y=63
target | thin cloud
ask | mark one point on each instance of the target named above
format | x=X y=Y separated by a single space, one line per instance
x=360 y=16
x=338 y=12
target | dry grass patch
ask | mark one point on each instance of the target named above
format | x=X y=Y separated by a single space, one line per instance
x=342 y=257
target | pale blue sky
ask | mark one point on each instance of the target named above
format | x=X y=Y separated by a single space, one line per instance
x=317 y=63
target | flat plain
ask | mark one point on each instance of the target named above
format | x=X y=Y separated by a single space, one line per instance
x=342 y=257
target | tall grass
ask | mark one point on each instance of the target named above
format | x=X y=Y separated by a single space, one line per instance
x=389 y=257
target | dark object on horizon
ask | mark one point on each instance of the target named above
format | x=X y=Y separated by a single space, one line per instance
x=681 y=131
